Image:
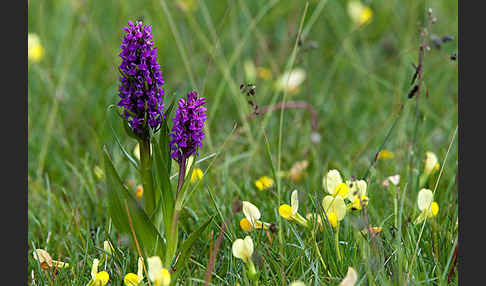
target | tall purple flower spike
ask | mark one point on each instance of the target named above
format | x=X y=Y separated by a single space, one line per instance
x=141 y=82
x=187 y=133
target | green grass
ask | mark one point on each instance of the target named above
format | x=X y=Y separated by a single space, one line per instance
x=357 y=81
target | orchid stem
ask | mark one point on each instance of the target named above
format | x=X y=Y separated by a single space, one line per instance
x=146 y=175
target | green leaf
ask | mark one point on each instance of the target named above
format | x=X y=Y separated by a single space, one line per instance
x=162 y=163
x=119 y=200
x=185 y=250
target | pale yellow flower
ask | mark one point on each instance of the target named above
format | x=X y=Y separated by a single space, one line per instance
x=158 y=274
x=297 y=283
x=243 y=248
x=333 y=184
x=290 y=81
x=35 y=49
x=98 y=172
x=335 y=209
x=350 y=279
x=264 y=183
x=359 y=13
x=196 y=175
x=252 y=214
x=426 y=205
x=431 y=163
x=357 y=194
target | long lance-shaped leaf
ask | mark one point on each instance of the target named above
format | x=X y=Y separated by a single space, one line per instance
x=165 y=205
x=185 y=249
x=119 y=198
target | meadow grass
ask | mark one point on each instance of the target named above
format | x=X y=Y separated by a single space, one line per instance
x=357 y=81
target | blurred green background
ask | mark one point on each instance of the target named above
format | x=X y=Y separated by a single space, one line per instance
x=357 y=80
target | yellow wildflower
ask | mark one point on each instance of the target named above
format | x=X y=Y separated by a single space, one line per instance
x=335 y=209
x=333 y=184
x=98 y=278
x=245 y=224
x=139 y=192
x=196 y=175
x=252 y=214
x=264 y=73
x=98 y=172
x=359 y=13
x=158 y=274
x=385 y=154
x=132 y=279
x=35 y=49
x=291 y=212
x=426 y=205
x=264 y=183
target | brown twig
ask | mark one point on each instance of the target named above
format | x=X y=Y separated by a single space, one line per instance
x=453 y=266
x=214 y=253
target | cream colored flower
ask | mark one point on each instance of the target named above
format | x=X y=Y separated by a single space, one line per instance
x=395 y=180
x=156 y=273
x=431 y=164
x=333 y=184
x=35 y=49
x=335 y=209
x=426 y=205
x=359 y=13
x=350 y=279
x=297 y=283
x=290 y=81
x=243 y=248
x=252 y=214
x=357 y=194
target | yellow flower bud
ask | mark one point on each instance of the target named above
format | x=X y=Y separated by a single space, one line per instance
x=35 y=51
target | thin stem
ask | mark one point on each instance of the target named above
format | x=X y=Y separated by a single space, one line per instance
x=146 y=175
x=336 y=241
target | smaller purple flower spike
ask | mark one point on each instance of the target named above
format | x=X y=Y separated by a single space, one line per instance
x=187 y=133
x=141 y=94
